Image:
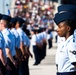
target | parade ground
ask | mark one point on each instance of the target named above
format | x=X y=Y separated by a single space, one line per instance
x=47 y=66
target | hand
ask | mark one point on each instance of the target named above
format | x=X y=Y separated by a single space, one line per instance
x=15 y=64
x=24 y=56
x=8 y=68
x=1 y=73
x=31 y=55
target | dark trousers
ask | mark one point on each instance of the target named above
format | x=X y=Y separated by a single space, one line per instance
x=2 y=68
x=14 y=70
x=50 y=43
x=36 y=51
x=23 y=67
x=44 y=51
x=66 y=73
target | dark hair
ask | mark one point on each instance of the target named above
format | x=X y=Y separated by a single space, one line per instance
x=72 y=24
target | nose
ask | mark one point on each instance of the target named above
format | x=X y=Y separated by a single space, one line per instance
x=57 y=30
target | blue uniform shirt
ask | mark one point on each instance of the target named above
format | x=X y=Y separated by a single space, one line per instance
x=17 y=38
x=2 y=43
x=21 y=34
x=66 y=55
x=9 y=41
x=44 y=35
x=26 y=40
x=74 y=36
x=39 y=39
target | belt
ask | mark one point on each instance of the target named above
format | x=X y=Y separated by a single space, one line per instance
x=66 y=73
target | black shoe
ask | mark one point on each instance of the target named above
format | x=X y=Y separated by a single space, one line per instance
x=35 y=64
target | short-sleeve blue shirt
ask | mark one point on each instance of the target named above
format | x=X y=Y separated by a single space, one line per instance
x=26 y=40
x=17 y=38
x=9 y=41
x=2 y=43
x=21 y=34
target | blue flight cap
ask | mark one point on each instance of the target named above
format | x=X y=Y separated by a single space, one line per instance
x=20 y=20
x=68 y=1
x=34 y=30
x=35 y=25
x=40 y=29
x=13 y=20
x=59 y=17
x=1 y=16
x=6 y=17
x=67 y=7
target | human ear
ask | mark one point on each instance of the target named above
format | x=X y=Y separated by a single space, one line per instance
x=68 y=28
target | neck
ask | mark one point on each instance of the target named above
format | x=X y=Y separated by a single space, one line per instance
x=66 y=37
x=3 y=28
x=17 y=27
x=11 y=28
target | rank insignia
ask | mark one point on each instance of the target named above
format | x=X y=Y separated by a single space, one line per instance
x=73 y=52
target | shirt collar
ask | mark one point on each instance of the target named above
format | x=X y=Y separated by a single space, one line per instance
x=12 y=29
x=3 y=31
x=19 y=29
x=68 y=40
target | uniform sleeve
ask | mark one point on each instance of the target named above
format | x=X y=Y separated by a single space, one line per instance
x=7 y=42
x=72 y=52
x=18 y=42
x=28 y=42
x=21 y=36
x=25 y=40
x=0 y=42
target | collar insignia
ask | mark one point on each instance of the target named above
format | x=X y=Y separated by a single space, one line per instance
x=73 y=52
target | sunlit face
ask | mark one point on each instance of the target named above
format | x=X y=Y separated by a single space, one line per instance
x=62 y=29
x=17 y=25
x=32 y=32
x=2 y=24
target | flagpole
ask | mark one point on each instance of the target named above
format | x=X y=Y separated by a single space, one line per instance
x=3 y=6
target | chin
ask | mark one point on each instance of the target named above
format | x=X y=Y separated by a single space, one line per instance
x=60 y=35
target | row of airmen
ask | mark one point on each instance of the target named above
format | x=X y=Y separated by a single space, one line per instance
x=41 y=36
x=14 y=47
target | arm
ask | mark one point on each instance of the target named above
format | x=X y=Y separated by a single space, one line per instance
x=28 y=52
x=2 y=58
x=22 y=48
x=9 y=55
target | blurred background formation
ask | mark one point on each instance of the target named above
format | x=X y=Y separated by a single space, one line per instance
x=37 y=14
x=35 y=26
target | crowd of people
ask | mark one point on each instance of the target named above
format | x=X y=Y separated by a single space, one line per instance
x=14 y=47
x=38 y=15
x=28 y=27
x=33 y=24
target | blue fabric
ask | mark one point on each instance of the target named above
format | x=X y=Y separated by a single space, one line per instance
x=13 y=20
x=59 y=17
x=9 y=41
x=6 y=17
x=66 y=73
x=2 y=43
x=20 y=20
x=1 y=16
x=17 y=37
x=67 y=7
